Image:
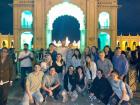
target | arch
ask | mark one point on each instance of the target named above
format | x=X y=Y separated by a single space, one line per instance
x=5 y=43
x=123 y=45
x=69 y=27
x=12 y=44
x=103 y=40
x=27 y=37
x=104 y=20
x=26 y=19
x=62 y=9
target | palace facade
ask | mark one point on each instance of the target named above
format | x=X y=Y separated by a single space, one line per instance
x=33 y=23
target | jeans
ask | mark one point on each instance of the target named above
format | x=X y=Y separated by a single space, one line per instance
x=24 y=72
x=37 y=96
x=114 y=100
x=55 y=92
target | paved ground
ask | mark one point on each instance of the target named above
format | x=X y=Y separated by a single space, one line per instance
x=16 y=94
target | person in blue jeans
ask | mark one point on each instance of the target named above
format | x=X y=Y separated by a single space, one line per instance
x=25 y=58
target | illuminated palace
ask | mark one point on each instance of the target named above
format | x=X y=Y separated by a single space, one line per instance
x=34 y=19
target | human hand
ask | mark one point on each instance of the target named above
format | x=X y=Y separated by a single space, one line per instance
x=50 y=93
x=51 y=88
x=31 y=99
x=11 y=83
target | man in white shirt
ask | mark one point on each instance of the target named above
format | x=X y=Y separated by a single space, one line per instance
x=63 y=50
x=25 y=58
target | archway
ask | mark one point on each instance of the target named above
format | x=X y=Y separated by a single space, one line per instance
x=27 y=37
x=68 y=9
x=103 y=40
x=5 y=43
x=104 y=20
x=70 y=28
x=26 y=19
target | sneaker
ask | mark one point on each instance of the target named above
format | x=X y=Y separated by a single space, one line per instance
x=65 y=100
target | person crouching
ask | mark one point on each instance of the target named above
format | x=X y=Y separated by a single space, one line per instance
x=70 y=85
x=33 y=84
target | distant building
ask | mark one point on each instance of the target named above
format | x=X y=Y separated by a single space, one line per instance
x=6 y=41
x=33 y=23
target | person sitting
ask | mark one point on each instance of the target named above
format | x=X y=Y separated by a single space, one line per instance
x=51 y=84
x=69 y=85
x=119 y=96
x=81 y=82
x=101 y=88
x=33 y=86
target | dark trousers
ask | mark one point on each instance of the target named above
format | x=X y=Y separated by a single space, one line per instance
x=55 y=92
x=4 y=93
x=24 y=72
x=138 y=71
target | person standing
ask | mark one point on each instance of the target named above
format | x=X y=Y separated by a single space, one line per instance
x=120 y=63
x=6 y=75
x=104 y=64
x=25 y=58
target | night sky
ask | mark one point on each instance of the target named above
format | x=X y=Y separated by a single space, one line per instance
x=128 y=17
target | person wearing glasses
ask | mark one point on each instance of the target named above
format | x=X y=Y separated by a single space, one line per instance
x=6 y=75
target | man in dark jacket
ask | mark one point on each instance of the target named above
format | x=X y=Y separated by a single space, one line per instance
x=6 y=75
x=101 y=88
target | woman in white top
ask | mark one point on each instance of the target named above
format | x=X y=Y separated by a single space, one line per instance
x=90 y=69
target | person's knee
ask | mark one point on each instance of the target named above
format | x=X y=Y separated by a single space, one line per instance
x=40 y=99
x=64 y=93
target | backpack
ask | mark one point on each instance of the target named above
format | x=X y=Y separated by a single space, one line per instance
x=128 y=89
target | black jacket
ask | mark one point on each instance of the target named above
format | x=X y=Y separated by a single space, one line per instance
x=72 y=80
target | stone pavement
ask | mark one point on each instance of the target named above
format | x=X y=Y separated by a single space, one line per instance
x=16 y=94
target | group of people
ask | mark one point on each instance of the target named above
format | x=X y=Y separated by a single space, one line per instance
x=66 y=72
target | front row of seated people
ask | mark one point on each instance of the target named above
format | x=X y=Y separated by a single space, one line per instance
x=39 y=86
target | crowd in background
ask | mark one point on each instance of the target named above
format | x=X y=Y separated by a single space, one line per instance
x=68 y=73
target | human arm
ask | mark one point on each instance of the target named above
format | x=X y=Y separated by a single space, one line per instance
x=28 y=90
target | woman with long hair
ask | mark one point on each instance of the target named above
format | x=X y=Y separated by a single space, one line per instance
x=76 y=58
x=90 y=69
x=81 y=82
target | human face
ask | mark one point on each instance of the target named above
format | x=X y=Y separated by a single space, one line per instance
x=102 y=55
x=86 y=50
x=63 y=42
x=47 y=57
x=93 y=49
x=4 y=53
x=70 y=46
x=59 y=57
x=25 y=47
x=52 y=71
x=114 y=76
x=52 y=47
x=79 y=71
x=71 y=69
x=99 y=74
x=37 y=68
x=118 y=52
x=88 y=59
x=76 y=52
x=106 y=49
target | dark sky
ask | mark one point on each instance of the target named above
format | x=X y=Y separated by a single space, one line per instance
x=128 y=17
